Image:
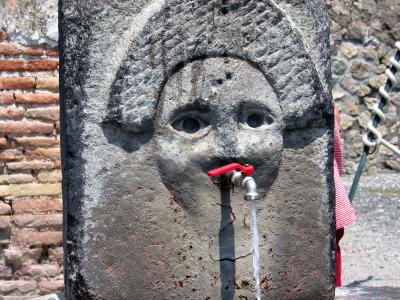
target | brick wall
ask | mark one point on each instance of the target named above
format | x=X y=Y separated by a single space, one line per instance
x=30 y=202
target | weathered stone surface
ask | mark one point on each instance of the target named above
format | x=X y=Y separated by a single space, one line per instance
x=15 y=16
x=185 y=87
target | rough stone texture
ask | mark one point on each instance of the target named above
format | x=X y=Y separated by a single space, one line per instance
x=363 y=37
x=371 y=245
x=30 y=22
x=26 y=24
x=178 y=88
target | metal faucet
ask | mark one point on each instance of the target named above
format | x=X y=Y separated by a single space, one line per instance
x=240 y=176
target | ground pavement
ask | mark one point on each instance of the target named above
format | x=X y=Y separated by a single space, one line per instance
x=371 y=247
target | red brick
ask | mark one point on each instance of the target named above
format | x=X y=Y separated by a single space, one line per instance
x=5 y=272
x=57 y=164
x=36 y=221
x=11 y=155
x=43 y=270
x=3 y=142
x=30 y=165
x=3 y=36
x=47 y=83
x=53 y=52
x=6 y=98
x=5 y=209
x=21 y=65
x=17 y=286
x=44 y=113
x=16 y=178
x=36 y=141
x=5 y=223
x=19 y=127
x=15 y=49
x=40 y=205
x=53 y=98
x=17 y=83
x=30 y=189
x=43 y=153
x=56 y=254
x=18 y=256
x=54 y=176
x=11 y=112
x=30 y=238
x=51 y=286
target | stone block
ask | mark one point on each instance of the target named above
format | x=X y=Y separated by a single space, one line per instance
x=191 y=86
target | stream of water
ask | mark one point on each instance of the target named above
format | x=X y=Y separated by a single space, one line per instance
x=255 y=248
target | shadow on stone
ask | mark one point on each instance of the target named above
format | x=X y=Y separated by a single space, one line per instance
x=126 y=140
x=227 y=246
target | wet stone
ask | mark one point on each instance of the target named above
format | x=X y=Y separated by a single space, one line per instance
x=149 y=108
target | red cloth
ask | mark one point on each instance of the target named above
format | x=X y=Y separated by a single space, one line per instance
x=344 y=211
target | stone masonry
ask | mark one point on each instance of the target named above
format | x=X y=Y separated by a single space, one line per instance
x=362 y=38
x=362 y=34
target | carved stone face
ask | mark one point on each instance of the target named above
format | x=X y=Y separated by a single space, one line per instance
x=213 y=112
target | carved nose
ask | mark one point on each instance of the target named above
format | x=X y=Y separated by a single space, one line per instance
x=228 y=150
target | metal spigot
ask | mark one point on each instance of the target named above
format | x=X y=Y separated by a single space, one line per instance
x=240 y=176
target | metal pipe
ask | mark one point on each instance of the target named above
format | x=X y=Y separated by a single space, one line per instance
x=247 y=183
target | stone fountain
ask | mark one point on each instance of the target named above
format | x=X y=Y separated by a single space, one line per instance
x=157 y=93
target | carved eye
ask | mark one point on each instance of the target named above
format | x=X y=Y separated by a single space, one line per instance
x=258 y=119
x=255 y=120
x=190 y=124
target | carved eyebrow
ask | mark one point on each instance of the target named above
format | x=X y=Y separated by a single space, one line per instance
x=196 y=105
x=256 y=106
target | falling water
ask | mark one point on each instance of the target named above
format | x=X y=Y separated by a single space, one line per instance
x=254 y=248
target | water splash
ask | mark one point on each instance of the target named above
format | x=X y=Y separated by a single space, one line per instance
x=255 y=248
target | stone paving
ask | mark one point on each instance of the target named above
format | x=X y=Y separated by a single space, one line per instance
x=371 y=246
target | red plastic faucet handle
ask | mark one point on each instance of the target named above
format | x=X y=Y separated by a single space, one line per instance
x=246 y=169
